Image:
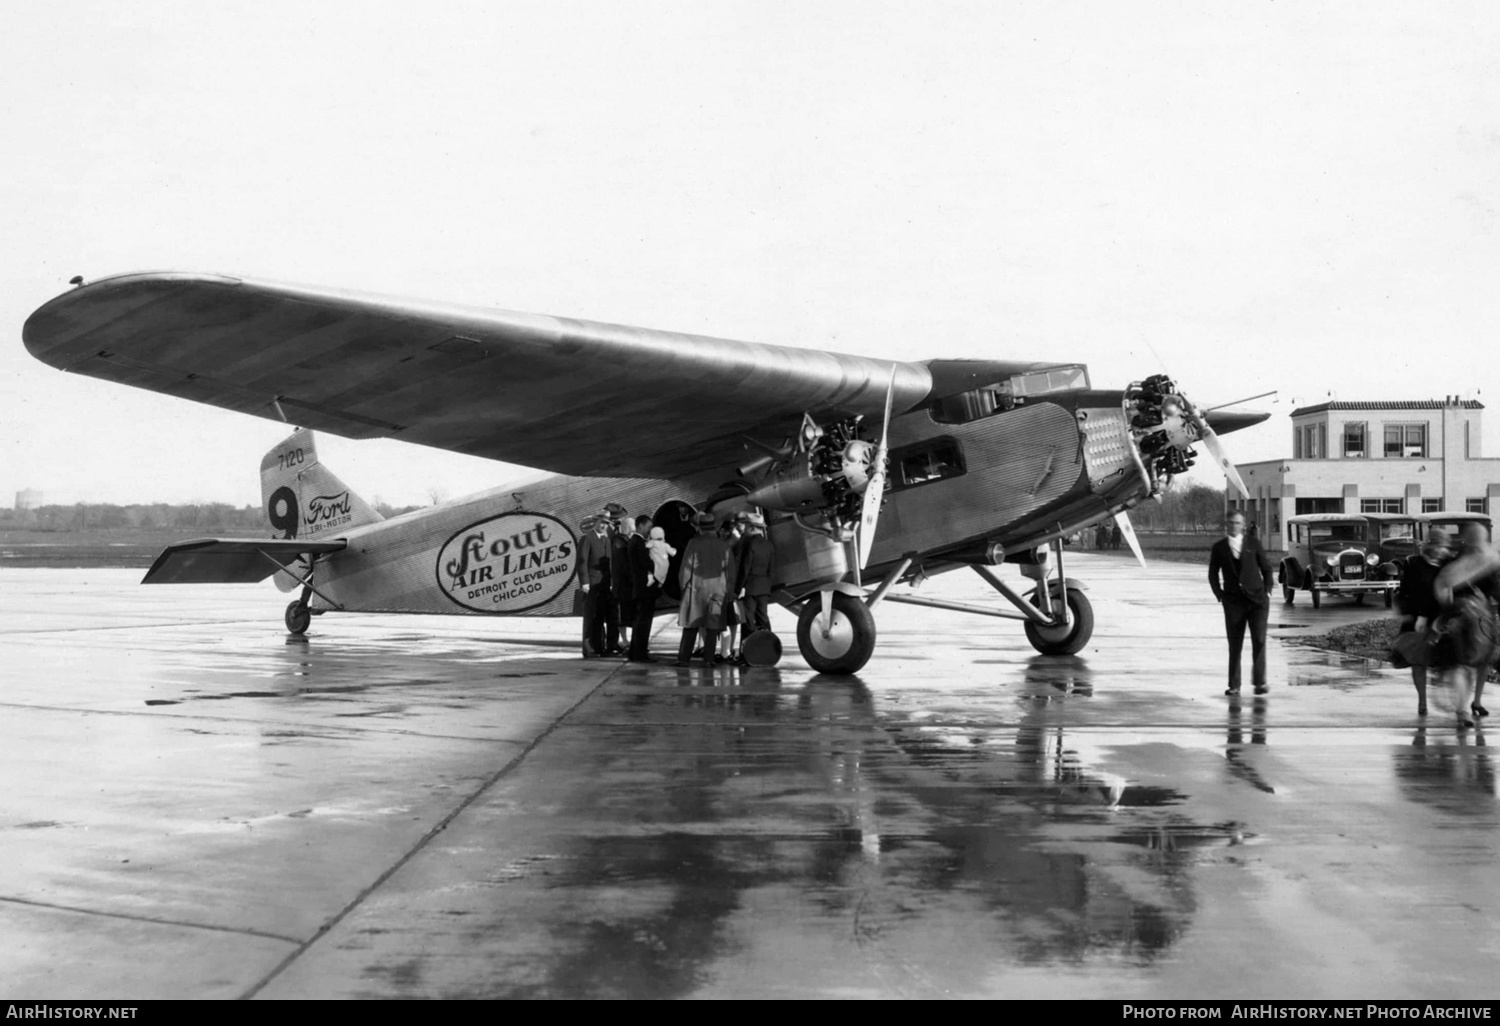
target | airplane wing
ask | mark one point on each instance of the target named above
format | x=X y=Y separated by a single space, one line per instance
x=230 y=560
x=563 y=395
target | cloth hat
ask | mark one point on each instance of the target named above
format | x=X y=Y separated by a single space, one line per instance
x=613 y=510
x=704 y=520
x=586 y=524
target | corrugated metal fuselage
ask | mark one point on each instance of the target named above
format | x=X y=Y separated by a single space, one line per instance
x=1020 y=478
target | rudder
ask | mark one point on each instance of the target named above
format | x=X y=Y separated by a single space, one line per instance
x=303 y=499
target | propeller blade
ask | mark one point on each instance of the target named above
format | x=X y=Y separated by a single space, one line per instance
x=1216 y=449
x=1127 y=531
x=869 y=514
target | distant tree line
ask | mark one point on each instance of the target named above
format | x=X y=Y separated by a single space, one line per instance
x=215 y=517
x=1196 y=508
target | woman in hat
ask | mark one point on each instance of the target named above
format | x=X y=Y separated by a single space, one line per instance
x=707 y=579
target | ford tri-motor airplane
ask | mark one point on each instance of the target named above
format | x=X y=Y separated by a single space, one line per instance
x=870 y=473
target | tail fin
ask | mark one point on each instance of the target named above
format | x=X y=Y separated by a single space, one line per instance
x=304 y=499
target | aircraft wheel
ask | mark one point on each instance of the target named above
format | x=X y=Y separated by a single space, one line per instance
x=1288 y=594
x=298 y=616
x=1065 y=640
x=851 y=636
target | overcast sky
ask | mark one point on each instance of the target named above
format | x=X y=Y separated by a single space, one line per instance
x=1255 y=195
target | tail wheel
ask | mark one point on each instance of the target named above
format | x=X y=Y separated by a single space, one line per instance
x=1067 y=640
x=298 y=616
x=851 y=635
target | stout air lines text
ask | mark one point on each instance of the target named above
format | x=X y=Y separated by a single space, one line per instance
x=526 y=550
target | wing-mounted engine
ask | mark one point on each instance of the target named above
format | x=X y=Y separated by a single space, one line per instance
x=821 y=480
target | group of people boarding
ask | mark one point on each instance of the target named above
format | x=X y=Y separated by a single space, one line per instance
x=1447 y=602
x=725 y=578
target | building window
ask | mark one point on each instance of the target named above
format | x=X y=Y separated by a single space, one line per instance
x=1310 y=442
x=1354 y=441
x=1318 y=505
x=1432 y=505
x=1380 y=506
x=1476 y=505
x=935 y=460
x=1406 y=441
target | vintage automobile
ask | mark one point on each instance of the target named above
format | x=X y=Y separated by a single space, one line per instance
x=1452 y=520
x=1393 y=537
x=1330 y=554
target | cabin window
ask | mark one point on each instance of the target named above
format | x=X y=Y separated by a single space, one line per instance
x=989 y=400
x=1380 y=506
x=934 y=460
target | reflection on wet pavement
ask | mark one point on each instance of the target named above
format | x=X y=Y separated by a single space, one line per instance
x=382 y=809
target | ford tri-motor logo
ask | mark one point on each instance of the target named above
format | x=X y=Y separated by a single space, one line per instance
x=507 y=564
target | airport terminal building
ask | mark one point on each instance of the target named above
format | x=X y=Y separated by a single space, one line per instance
x=1373 y=457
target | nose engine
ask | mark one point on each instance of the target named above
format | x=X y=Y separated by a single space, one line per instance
x=1165 y=426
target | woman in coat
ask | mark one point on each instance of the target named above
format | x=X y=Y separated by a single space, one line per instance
x=707 y=579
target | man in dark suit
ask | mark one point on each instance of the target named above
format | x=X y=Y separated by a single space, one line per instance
x=646 y=592
x=1240 y=574
x=593 y=578
x=757 y=558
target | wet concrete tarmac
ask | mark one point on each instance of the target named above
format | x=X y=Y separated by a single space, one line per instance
x=197 y=805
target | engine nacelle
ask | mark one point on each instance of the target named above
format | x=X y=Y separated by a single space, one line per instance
x=825 y=476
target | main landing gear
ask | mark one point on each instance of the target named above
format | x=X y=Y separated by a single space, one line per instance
x=848 y=640
x=298 y=617
x=836 y=625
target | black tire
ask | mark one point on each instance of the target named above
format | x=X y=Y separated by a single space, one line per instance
x=1388 y=594
x=298 y=616
x=851 y=639
x=1288 y=594
x=1317 y=596
x=1069 y=640
x=1359 y=598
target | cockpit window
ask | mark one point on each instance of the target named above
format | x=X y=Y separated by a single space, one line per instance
x=988 y=400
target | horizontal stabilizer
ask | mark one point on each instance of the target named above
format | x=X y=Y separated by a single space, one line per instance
x=231 y=560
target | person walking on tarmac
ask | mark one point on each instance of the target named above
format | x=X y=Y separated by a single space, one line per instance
x=1416 y=598
x=1464 y=588
x=1239 y=572
x=593 y=577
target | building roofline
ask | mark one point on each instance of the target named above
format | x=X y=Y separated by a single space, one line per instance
x=1393 y=404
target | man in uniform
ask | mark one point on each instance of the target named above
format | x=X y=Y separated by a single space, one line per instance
x=1239 y=572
